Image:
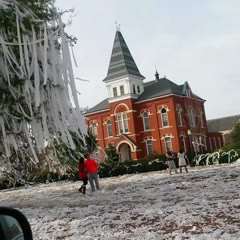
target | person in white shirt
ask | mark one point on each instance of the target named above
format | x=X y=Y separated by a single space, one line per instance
x=182 y=157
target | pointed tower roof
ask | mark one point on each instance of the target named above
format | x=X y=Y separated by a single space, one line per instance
x=121 y=62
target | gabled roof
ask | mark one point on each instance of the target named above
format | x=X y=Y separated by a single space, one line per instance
x=158 y=88
x=125 y=137
x=153 y=89
x=102 y=106
x=121 y=62
x=222 y=124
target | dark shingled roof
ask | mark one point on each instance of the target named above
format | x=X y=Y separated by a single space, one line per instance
x=158 y=88
x=153 y=89
x=121 y=62
x=103 y=105
x=222 y=124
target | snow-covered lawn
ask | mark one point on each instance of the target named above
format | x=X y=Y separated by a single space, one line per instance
x=203 y=204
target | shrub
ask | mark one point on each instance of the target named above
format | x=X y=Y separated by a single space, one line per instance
x=152 y=163
x=218 y=157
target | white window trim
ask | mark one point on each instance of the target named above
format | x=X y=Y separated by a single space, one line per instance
x=94 y=126
x=165 y=145
x=192 y=117
x=161 y=115
x=134 y=89
x=147 y=145
x=146 y=139
x=120 y=90
x=144 y=125
x=116 y=91
x=107 y=125
x=122 y=121
x=201 y=119
x=179 y=113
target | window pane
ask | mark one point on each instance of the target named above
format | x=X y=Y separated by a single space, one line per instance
x=134 y=89
x=125 y=122
x=115 y=92
x=138 y=89
x=192 y=118
x=94 y=130
x=146 y=123
x=120 y=124
x=168 y=143
x=179 y=117
x=109 y=128
x=122 y=90
x=149 y=147
x=164 y=119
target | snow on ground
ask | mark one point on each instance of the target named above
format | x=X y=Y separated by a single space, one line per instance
x=203 y=204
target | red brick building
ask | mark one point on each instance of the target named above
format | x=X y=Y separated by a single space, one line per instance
x=141 y=118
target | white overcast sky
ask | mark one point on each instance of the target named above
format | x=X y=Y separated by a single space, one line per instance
x=194 y=41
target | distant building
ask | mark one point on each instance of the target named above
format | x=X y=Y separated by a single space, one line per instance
x=224 y=126
x=141 y=118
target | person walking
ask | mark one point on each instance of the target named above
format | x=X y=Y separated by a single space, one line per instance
x=182 y=160
x=170 y=159
x=82 y=174
x=92 y=170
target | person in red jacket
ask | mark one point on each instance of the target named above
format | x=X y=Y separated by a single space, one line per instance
x=92 y=170
x=82 y=174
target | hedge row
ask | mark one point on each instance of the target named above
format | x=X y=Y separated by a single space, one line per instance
x=153 y=163
x=219 y=157
x=110 y=169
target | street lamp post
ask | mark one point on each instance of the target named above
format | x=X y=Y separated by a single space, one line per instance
x=190 y=139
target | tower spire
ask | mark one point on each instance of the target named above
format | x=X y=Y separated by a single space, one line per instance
x=121 y=63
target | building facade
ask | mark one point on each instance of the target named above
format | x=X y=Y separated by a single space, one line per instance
x=145 y=117
x=224 y=126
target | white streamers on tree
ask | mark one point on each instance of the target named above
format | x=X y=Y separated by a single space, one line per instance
x=37 y=89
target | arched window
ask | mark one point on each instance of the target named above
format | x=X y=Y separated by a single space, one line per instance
x=109 y=128
x=201 y=119
x=122 y=123
x=179 y=115
x=168 y=143
x=146 y=123
x=94 y=129
x=149 y=146
x=192 y=117
x=164 y=117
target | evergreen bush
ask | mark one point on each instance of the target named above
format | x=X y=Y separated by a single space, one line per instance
x=152 y=163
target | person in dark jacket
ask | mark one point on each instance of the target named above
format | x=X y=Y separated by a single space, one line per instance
x=82 y=174
x=170 y=159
